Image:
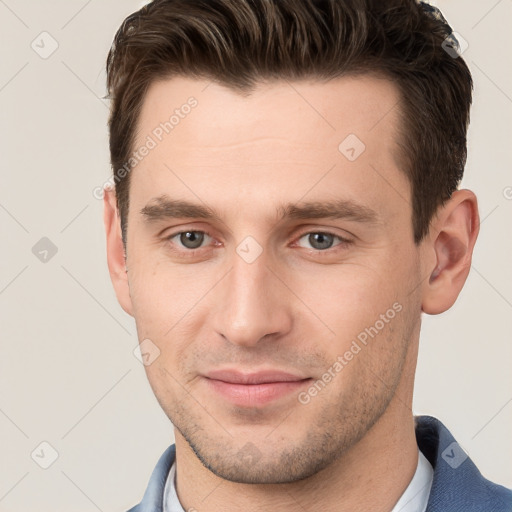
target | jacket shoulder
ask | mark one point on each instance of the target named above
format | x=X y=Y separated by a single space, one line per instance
x=457 y=485
x=153 y=497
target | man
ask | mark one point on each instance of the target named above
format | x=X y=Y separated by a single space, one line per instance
x=285 y=208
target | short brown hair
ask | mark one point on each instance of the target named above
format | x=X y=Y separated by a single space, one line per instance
x=238 y=43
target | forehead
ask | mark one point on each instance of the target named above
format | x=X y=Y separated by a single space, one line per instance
x=347 y=104
x=282 y=136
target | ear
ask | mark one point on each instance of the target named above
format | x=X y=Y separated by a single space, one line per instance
x=452 y=236
x=115 y=250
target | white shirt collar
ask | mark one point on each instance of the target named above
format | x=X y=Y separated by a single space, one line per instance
x=171 y=501
x=415 y=497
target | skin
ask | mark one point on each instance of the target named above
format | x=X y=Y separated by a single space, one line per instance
x=295 y=308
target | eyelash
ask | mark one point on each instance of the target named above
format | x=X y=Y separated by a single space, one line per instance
x=343 y=242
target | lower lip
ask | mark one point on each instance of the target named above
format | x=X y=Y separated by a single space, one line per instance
x=251 y=395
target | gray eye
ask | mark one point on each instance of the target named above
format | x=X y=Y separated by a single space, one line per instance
x=320 y=241
x=191 y=239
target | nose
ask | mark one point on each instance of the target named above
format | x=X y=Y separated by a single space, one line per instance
x=252 y=304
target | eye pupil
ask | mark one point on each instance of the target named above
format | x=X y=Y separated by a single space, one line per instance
x=191 y=239
x=320 y=240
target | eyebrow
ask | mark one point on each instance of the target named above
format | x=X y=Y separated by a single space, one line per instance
x=163 y=207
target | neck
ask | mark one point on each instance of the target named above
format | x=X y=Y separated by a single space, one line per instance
x=372 y=475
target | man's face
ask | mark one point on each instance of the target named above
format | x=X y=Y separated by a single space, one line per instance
x=271 y=289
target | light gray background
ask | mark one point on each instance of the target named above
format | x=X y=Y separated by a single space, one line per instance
x=68 y=375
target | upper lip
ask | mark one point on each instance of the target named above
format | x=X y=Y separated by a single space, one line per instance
x=261 y=377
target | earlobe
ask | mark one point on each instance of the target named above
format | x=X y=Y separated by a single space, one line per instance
x=454 y=233
x=116 y=257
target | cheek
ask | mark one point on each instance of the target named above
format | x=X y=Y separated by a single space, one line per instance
x=369 y=353
x=348 y=296
x=359 y=308
x=162 y=293
x=167 y=387
x=170 y=306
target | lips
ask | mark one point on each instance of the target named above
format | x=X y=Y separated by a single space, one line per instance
x=253 y=389
x=262 y=377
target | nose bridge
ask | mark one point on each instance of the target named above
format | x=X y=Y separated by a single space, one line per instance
x=251 y=304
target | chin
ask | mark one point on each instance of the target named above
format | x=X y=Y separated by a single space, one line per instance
x=265 y=463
